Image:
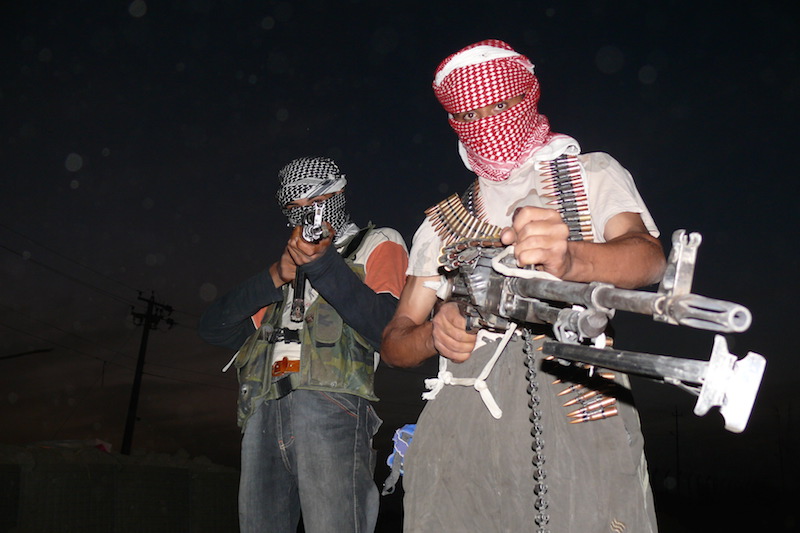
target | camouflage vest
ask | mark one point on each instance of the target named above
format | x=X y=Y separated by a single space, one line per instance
x=333 y=356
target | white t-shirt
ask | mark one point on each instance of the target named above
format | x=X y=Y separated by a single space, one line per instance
x=609 y=186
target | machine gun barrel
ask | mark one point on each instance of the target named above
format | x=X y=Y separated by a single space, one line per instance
x=685 y=309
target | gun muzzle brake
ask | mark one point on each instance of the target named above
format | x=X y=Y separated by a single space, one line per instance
x=707 y=313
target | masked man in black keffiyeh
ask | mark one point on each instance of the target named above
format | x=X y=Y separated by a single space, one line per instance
x=307 y=331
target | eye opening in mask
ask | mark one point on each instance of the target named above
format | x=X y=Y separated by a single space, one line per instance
x=305 y=202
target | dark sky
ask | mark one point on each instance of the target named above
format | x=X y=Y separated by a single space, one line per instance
x=140 y=143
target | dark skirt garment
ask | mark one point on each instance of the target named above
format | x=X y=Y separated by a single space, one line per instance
x=467 y=471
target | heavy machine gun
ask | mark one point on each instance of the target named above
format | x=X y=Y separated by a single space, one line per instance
x=495 y=293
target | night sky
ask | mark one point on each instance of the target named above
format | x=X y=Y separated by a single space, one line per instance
x=140 y=144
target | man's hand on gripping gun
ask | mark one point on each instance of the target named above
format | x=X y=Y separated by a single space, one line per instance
x=411 y=336
x=539 y=237
x=630 y=257
x=298 y=252
x=449 y=333
x=302 y=251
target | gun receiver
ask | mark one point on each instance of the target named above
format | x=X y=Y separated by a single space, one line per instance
x=497 y=293
x=313 y=231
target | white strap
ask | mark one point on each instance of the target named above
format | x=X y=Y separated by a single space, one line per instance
x=445 y=377
x=517 y=272
x=226 y=367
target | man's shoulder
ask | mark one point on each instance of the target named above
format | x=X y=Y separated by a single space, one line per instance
x=387 y=239
x=598 y=161
x=376 y=236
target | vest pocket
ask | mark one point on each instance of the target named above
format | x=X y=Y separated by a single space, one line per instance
x=253 y=371
x=337 y=359
x=322 y=360
x=327 y=326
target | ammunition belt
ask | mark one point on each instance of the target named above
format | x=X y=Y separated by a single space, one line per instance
x=563 y=181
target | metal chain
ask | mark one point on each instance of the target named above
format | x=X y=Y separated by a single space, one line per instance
x=541 y=503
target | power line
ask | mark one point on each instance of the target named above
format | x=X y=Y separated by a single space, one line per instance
x=180 y=369
x=413 y=371
x=69 y=348
x=59 y=254
x=109 y=294
x=85 y=354
x=72 y=333
x=78 y=281
x=68 y=276
x=29 y=352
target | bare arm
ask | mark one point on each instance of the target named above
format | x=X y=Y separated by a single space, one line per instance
x=629 y=258
x=410 y=338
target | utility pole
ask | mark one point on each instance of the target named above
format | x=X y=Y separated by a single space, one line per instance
x=150 y=320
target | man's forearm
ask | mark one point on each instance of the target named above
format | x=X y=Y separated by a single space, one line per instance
x=227 y=321
x=629 y=261
x=358 y=305
x=407 y=344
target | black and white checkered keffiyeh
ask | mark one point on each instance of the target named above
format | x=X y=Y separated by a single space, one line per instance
x=309 y=177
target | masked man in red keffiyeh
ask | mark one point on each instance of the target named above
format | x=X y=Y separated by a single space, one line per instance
x=488 y=453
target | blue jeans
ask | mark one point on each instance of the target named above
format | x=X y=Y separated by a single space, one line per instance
x=309 y=450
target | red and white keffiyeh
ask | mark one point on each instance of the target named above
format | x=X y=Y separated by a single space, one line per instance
x=486 y=73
